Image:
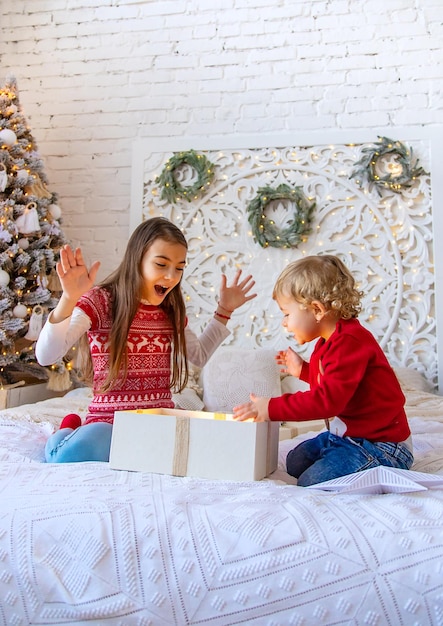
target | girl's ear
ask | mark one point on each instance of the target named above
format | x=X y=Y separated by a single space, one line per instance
x=319 y=310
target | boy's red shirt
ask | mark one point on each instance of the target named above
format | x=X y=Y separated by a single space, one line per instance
x=349 y=377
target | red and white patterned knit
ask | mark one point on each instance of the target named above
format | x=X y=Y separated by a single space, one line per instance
x=149 y=358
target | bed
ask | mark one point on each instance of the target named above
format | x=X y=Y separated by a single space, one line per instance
x=86 y=544
x=82 y=543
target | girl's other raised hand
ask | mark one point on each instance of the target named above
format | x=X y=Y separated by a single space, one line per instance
x=234 y=295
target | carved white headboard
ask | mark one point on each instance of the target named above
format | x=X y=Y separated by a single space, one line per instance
x=385 y=238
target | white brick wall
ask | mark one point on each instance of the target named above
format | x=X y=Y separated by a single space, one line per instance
x=95 y=75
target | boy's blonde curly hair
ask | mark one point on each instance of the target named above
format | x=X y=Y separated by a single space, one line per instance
x=324 y=278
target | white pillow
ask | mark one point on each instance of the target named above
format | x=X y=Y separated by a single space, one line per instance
x=412 y=380
x=233 y=373
x=187 y=399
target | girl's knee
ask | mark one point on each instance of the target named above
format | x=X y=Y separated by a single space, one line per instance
x=91 y=442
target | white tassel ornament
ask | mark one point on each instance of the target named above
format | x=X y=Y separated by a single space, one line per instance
x=35 y=323
x=28 y=222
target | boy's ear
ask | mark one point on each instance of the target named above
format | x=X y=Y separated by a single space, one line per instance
x=319 y=310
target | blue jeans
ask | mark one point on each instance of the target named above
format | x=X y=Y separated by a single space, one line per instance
x=328 y=456
x=91 y=442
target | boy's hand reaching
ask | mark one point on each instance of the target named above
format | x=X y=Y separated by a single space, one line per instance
x=256 y=409
x=290 y=361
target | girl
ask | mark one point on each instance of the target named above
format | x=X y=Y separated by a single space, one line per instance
x=350 y=379
x=137 y=332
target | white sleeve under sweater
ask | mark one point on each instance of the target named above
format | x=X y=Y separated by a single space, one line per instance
x=200 y=349
x=56 y=339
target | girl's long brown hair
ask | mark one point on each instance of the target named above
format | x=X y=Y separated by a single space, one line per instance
x=125 y=286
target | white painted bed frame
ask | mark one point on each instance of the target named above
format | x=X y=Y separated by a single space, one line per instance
x=389 y=242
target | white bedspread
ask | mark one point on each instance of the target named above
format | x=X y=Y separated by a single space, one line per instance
x=83 y=544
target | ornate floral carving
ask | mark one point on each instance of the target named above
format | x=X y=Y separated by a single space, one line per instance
x=385 y=241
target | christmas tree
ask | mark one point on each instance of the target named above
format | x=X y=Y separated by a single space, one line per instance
x=30 y=240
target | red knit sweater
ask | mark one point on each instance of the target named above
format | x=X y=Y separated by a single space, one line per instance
x=349 y=377
x=149 y=358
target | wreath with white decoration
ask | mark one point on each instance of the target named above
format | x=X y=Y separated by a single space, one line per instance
x=387 y=165
x=264 y=229
x=172 y=189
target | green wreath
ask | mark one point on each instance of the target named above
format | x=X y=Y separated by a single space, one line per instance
x=264 y=230
x=404 y=167
x=172 y=190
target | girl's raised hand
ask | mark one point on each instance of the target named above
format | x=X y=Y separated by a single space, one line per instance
x=234 y=295
x=75 y=278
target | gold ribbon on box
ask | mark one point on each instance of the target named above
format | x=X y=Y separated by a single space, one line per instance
x=181 y=446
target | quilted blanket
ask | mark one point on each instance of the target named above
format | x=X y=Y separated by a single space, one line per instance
x=84 y=544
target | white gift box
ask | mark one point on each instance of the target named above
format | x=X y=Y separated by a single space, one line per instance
x=17 y=394
x=193 y=443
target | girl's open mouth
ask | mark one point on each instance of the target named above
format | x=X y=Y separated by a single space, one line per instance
x=160 y=290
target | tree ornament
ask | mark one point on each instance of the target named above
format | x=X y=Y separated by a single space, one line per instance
x=37 y=188
x=59 y=378
x=387 y=165
x=4 y=278
x=54 y=283
x=265 y=231
x=35 y=323
x=172 y=190
x=55 y=211
x=20 y=310
x=23 y=243
x=7 y=137
x=28 y=221
x=3 y=177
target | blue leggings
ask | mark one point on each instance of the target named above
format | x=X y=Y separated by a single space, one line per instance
x=91 y=442
x=328 y=456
